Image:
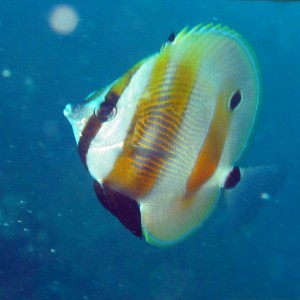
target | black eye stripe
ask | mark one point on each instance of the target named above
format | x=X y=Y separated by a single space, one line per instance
x=93 y=126
x=107 y=109
x=106 y=112
x=111 y=99
x=89 y=132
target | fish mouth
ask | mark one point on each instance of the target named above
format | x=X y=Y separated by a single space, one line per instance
x=68 y=111
x=73 y=112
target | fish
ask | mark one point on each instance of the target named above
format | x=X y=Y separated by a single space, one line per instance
x=163 y=142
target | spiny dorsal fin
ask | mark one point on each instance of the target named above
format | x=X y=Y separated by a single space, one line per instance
x=185 y=33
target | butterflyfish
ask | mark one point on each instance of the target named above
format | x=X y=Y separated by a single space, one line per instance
x=163 y=142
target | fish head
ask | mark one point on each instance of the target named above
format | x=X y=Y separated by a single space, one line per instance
x=78 y=116
x=96 y=117
x=100 y=125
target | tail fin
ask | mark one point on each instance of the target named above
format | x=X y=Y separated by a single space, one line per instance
x=256 y=185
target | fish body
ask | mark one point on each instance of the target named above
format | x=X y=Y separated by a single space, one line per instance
x=163 y=141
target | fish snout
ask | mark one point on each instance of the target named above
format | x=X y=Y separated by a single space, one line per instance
x=68 y=111
x=73 y=112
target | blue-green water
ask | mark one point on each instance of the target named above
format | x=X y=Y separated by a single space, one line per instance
x=56 y=240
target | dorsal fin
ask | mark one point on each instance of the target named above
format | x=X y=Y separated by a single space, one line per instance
x=201 y=29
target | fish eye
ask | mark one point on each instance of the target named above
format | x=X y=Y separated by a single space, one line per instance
x=235 y=100
x=106 y=112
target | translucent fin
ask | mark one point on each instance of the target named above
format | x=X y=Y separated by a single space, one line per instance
x=169 y=220
x=257 y=185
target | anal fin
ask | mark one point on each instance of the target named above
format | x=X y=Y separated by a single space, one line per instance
x=169 y=218
x=123 y=207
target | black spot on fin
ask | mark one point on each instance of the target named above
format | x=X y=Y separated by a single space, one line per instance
x=171 y=37
x=121 y=206
x=233 y=178
x=256 y=186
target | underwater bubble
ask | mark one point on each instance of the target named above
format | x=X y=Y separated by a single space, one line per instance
x=6 y=73
x=30 y=86
x=63 y=19
x=265 y=196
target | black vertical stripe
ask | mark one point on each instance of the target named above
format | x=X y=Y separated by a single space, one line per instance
x=89 y=132
x=111 y=98
x=92 y=127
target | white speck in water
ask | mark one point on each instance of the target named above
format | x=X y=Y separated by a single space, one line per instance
x=6 y=73
x=265 y=196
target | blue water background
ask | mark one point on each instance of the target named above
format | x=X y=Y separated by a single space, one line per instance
x=56 y=241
